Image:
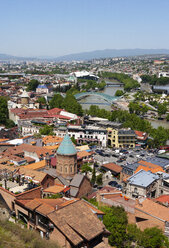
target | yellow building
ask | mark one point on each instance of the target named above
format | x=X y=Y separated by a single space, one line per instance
x=121 y=138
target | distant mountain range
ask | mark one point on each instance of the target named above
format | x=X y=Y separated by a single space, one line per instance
x=107 y=53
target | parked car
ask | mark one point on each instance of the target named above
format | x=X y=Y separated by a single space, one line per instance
x=119 y=187
x=113 y=183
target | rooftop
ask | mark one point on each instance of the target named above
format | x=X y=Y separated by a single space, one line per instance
x=154 y=209
x=66 y=147
x=142 y=178
x=113 y=167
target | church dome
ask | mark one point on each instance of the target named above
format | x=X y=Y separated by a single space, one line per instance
x=24 y=94
x=66 y=147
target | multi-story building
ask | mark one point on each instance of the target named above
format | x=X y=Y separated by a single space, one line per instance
x=122 y=138
x=88 y=134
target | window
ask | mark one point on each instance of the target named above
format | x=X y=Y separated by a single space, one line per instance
x=135 y=190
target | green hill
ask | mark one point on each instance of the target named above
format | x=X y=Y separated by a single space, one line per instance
x=12 y=235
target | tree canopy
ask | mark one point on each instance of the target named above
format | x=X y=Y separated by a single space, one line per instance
x=154 y=80
x=32 y=85
x=119 y=93
x=46 y=130
x=69 y=103
x=128 y=82
x=4 y=115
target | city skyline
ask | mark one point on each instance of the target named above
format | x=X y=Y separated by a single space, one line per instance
x=56 y=28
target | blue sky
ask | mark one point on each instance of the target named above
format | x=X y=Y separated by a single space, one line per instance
x=59 y=27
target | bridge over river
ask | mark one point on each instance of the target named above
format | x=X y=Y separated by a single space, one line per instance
x=106 y=97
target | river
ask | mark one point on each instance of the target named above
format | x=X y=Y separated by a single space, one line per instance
x=96 y=100
x=157 y=123
x=101 y=103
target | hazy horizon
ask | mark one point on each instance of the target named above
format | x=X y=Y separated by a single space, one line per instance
x=56 y=28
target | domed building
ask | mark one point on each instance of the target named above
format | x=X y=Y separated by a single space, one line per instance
x=24 y=98
x=66 y=165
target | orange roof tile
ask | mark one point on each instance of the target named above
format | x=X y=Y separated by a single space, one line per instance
x=83 y=154
x=36 y=166
x=146 y=168
x=112 y=167
x=148 y=164
x=54 y=189
x=52 y=139
x=162 y=198
x=154 y=209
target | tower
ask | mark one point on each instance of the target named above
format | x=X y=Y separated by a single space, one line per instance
x=66 y=158
x=24 y=98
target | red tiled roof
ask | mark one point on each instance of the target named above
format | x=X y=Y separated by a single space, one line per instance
x=141 y=135
x=112 y=167
x=163 y=199
x=54 y=111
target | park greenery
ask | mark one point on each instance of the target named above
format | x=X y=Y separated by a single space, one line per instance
x=154 y=80
x=4 y=114
x=69 y=103
x=90 y=84
x=128 y=82
x=133 y=121
x=119 y=93
x=13 y=235
x=138 y=109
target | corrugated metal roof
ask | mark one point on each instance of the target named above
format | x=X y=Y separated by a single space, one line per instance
x=143 y=178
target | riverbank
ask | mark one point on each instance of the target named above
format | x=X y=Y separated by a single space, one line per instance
x=158 y=123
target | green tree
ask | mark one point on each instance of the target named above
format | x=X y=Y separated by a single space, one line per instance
x=162 y=109
x=71 y=105
x=57 y=101
x=9 y=123
x=32 y=85
x=86 y=168
x=99 y=179
x=46 y=130
x=119 y=93
x=134 y=233
x=115 y=220
x=93 y=180
x=153 y=238
x=167 y=117
x=73 y=140
x=41 y=100
x=3 y=110
x=160 y=136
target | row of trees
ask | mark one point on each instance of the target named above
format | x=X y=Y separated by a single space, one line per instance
x=137 y=108
x=95 y=179
x=91 y=84
x=4 y=115
x=159 y=135
x=128 y=82
x=154 y=80
x=69 y=103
